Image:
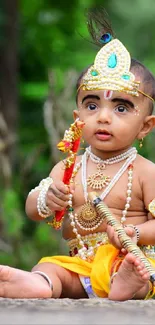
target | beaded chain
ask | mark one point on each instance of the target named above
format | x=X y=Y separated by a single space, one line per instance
x=85 y=253
x=131 y=157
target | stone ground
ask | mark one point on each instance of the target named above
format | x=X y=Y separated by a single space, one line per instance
x=82 y=311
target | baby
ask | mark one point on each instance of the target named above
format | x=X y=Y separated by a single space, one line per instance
x=115 y=100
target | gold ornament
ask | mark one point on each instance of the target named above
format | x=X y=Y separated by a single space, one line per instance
x=70 y=142
x=91 y=241
x=98 y=180
x=141 y=143
x=88 y=219
x=111 y=71
x=151 y=207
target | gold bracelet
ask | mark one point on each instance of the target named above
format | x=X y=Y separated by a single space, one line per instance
x=137 y=233
x=136 y=230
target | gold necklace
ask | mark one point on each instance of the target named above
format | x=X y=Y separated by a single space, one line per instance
x=98 y=180
x=88 y=219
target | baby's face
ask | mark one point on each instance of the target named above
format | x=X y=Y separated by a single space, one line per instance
x=112 y=119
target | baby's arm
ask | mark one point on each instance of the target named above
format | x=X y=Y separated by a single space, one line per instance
x=56 y=198
x=147 y=229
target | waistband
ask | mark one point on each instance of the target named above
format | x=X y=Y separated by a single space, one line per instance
x=92 y=241
x=95 y=240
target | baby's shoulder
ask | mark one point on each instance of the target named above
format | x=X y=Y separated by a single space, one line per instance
x=145 y=167
x=58 y=170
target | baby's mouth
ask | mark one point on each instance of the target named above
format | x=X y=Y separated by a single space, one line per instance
x=103 y=134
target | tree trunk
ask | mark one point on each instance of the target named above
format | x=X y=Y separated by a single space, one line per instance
x=8 y=73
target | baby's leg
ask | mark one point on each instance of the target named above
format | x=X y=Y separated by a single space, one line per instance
x=15 y=283
x=132 y=280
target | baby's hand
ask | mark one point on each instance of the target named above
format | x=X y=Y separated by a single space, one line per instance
x=114 y=240
x=57 y=196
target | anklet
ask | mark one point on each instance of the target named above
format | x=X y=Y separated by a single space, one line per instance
x=112 y=278
x=46 y=277
x=150 y=293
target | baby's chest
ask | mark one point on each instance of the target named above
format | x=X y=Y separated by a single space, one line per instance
x=117 y=196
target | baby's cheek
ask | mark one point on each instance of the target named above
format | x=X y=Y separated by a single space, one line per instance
x=86 y=133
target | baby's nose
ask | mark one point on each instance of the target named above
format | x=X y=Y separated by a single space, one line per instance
x=104 y=115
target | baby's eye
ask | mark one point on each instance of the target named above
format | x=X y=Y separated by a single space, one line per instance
x=121 y=109
x=92 y=107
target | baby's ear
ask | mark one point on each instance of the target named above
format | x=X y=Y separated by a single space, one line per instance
x=75 y=114
x=148 y=125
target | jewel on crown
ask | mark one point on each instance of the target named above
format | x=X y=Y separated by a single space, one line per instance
x=111 y=69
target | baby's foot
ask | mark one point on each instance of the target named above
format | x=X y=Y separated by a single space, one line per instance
x=15 y=283
x=132 y=278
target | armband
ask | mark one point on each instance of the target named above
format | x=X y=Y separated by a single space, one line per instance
x=151 y=207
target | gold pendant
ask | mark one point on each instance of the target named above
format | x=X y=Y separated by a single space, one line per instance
x=88 y=219
x=98 y=180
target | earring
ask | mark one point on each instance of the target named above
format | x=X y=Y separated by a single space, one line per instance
x=82 y=141
x=141 y=143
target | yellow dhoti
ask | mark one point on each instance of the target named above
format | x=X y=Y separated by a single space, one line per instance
x=99 y=269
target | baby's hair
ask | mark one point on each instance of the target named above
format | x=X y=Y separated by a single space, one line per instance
x=98 y=24
x=147 y=79
x=79 y=80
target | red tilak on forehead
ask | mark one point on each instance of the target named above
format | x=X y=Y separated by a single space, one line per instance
x=108 y=94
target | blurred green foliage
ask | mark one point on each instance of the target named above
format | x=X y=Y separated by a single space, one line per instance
x=53 y=36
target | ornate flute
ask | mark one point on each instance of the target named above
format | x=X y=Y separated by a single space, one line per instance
x=125 y=240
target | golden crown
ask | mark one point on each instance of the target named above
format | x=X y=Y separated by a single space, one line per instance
x=111 y=70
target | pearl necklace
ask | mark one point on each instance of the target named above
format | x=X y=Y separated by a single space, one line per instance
x=102 y=196
x=85 y=253
x=109 y=161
